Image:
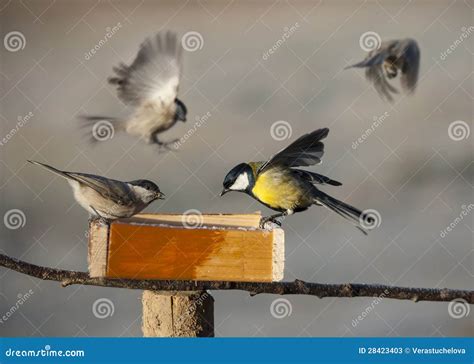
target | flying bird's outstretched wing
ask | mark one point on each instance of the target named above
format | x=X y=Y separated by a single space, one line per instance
x=155 y=73
x=411 y=64
x=307 y=150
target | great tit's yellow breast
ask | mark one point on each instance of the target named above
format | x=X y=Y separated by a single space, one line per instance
x=280 y=190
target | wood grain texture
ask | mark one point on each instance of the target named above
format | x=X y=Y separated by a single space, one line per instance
x=182 y=314
x=98 y=248
x=160 y=247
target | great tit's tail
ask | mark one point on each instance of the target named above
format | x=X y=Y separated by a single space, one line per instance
x=348 y=212
x=51 y=169
x=100 y=128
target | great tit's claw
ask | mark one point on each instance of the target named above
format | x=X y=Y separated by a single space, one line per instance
x=272 y=219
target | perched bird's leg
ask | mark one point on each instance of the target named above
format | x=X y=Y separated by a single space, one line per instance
x=99 y=217
x=272 y=218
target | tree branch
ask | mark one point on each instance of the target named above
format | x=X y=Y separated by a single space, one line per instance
x=320 y=290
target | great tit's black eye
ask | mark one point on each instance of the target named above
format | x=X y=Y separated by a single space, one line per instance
x=234 y=174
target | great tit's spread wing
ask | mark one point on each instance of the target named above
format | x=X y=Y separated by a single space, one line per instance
x=307 y=150
x=316 y=178
x=410 y=55
x=154 y=74
x=116 y=191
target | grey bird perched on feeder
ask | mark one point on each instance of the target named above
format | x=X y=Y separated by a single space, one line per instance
x=150 y=85
x=108 y=198
x=387 y=61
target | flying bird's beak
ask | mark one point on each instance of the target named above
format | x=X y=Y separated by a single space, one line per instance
x=224 y=191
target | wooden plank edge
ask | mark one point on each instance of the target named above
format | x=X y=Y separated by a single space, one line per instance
x=98 y=248
x=278 y=264
x=202 y=221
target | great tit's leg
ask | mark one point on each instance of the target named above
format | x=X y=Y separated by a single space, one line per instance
x=273 y=218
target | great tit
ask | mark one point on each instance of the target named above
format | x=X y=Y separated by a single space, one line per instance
x=400 y=55
x=108 y=198
x=281 y=187
x=150 y=85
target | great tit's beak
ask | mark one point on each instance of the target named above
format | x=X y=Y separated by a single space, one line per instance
x=160 y=196
x=224 y=191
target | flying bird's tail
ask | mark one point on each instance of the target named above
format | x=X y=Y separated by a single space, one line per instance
x=51 y=169
x=348 y=212
x=101 y=128
x=356 y=65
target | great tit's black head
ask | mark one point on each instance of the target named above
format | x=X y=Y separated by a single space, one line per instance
x=147 y=190
x=240 y=178
x=181 y=110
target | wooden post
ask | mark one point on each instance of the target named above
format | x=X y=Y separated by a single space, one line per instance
x=178 y=314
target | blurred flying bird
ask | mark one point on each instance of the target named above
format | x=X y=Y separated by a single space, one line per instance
x=149 y=85
x=108 y=198
x=281 y=187
x=387 y=61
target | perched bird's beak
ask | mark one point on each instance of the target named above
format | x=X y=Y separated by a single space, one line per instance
x=183 y=120
x=224 y=191
x=160 y=196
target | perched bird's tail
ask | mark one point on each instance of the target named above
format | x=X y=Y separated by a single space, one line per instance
x=51 y=169
x=341 y=208
x=101 y=128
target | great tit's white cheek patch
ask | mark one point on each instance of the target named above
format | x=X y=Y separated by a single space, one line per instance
x=241 y=183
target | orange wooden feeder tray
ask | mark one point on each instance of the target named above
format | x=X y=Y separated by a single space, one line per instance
x=221 y=247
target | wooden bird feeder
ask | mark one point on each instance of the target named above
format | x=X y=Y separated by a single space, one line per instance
x=211 y=247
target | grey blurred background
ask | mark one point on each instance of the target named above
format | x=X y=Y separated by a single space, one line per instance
x=409 y=169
